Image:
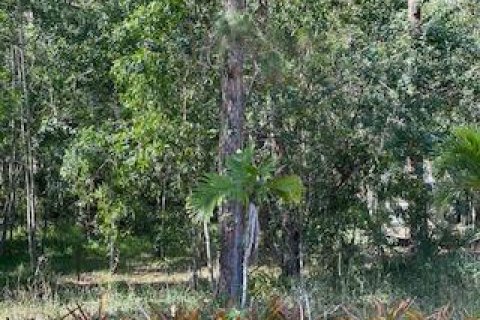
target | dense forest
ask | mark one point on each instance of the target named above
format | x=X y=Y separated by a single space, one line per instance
x=288 y=156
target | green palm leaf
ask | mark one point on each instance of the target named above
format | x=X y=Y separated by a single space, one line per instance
x=209 y=193
x=288 y=188
x=266 y=168
x=461 y=157
x=240 y=167
x=243 y=181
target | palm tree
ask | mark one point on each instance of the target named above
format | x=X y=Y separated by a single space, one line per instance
x=461 y=158
x=250 y=183
x=459 y=162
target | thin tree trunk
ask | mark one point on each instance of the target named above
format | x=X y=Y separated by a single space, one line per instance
x=414 y=16
x=114 y=252
x=251 y=246
x=195 y=257
x=13 y=170
x=231 y=139
x=208 y=250
x=6 y=208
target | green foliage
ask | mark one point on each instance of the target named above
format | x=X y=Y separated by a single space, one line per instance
x=123 y=100
x=461 y=157
x=289 y=188
x=245 y=181
x=212 y=190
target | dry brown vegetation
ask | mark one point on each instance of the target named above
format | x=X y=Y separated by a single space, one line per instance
x=275 y=309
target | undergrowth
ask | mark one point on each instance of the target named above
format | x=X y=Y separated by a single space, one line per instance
x=440 y=287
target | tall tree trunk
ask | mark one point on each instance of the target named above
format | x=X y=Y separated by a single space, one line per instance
x=231 y=139
x=14 y=171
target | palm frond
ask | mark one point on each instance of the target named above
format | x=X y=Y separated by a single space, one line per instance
x=289 y=188
x=461 y=157
x=209 y=193
x=240 y=166
x=243 y=181
x=266 y=168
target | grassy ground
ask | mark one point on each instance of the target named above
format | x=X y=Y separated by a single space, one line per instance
x=144 y=282
x=78 y=274
x=116 y=301
x=447 y=280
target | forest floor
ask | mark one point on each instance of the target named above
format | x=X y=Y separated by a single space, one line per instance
x=122 y=293
x=136 y=292
x=144 y=281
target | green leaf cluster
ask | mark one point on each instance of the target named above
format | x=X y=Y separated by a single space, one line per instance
x=244 y=180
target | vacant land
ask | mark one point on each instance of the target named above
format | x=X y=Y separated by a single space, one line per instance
x=240 y=159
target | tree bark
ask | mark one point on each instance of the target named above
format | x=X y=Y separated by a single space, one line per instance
x=208 y=250
x=114 y=251
x=231 y=139
x=414 y=16
x=251 y=247
x=196 y=271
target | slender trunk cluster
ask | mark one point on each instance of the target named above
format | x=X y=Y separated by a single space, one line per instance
x=9 y=179
x=20 y=80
